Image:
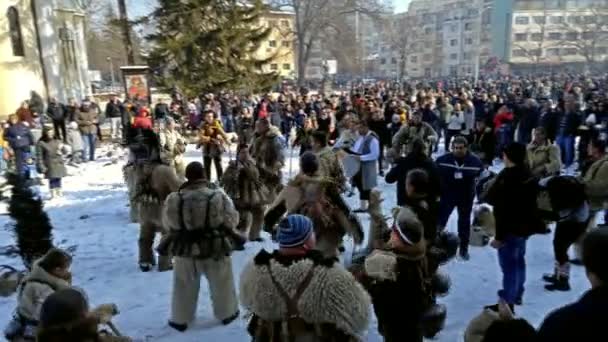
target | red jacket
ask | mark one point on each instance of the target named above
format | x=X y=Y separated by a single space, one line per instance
x=142 y=120
x=502 y=118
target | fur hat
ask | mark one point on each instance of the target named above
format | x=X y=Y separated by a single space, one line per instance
x=294 y=231
x=516 y=152
x=408 y=227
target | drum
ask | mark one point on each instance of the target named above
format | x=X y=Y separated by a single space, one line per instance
x=351 y=165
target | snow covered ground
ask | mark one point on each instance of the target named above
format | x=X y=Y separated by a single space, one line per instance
x=93 y=215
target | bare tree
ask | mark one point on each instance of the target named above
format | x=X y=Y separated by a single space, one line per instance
x=315 y=18
x=536 y=40
x=401 y=37
x=591 y=30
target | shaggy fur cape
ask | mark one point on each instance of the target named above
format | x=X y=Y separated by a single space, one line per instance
x=333 y=296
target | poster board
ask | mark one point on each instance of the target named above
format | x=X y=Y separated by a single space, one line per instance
x=137 y=84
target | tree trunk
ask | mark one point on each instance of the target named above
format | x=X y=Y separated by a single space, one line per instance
x=126 y=31
x=301 y=62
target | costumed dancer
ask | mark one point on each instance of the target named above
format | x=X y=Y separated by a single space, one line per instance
x=173 y=147
x=212 y=139
x=268 y=151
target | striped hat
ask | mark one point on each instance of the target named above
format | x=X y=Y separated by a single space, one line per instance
x=294 y=231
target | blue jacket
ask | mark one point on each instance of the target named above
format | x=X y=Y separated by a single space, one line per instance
x=19 y=136
x=458 y=176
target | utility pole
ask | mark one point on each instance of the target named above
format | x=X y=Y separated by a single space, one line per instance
x=126 y=31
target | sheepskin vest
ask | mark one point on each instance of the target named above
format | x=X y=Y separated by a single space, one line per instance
x=241 y=181
x=322 y=305
x=199 y=218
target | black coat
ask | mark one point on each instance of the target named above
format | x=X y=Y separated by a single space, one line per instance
x=380 y=128
x=56 y=111
x=398 y=174
x=484 y=145
x=513 y=195
x=49 y=158
x=580 y=321
x=161 y=111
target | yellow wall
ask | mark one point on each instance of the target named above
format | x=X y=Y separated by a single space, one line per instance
x=18 y=75
x=283 y=27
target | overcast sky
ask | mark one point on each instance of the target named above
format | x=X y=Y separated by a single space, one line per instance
x=401 y=5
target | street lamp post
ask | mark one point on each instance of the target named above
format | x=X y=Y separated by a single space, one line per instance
x=109 y=59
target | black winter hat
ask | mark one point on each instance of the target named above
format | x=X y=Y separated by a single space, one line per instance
x=516 y=152
x=309 y=163
x=195 y=171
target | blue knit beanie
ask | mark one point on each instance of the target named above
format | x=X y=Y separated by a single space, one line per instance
x=294 y=231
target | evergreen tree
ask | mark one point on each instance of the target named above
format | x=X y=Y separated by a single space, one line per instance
x=32 y=227
x=206 y=45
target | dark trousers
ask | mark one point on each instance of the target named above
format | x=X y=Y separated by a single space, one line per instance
x=381 y=159
x=566 y=233
x=59 y=127
x=218 y=166
x=512 y=259
x=566 y=146
x=21 y=168
x=358 y=181
x=54 y=183
x=464 y=205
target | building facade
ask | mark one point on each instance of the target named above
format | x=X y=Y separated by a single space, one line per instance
x=44 y=51
x=546 y=34
x=280 y=44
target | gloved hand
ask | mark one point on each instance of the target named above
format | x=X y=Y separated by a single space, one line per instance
x=105 y=312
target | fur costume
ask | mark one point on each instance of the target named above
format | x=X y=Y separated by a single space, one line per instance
x=544 y=160
x=267 y=150
x=331 y=168
x=149 y=182
x=199 y=219
x=241 y=181
x=173 y=147
x=476 y=330
x=483 y=227
x=333 y=303
x=314 y=197
x=35 y=287
x=596 y=184
x=408 y=133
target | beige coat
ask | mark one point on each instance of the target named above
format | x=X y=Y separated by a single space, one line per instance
x=408 y=133
x=544 y=160
x=199 y=219
x=38 y=285
x=596 y=184
x=333 y=296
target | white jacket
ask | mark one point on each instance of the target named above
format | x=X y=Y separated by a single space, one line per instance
x=38 y=286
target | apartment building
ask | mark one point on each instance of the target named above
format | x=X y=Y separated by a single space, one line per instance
x=280 y=44
x=549 y=33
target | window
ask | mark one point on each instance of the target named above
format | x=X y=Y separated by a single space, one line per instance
x=589 y=19
x=468 y=26
x=383 y=61
x=427 y=45
x=472 y=12
x=536 y=37
x=469 y=41
x=468 y=55
x=427 y=72
x=428 y=31
x=575 y=19
x=520 y=37
x=453 y=71
x=453 y=56
x=522 y=20
x=14 y=28
x=453 y=28
x=540 y=20
x=427 y=57
x=556 y=20
x=453 y=42
x=519 y=53
x=272 y=23
x=286 y=66
x=553 y=52
x=285 y=23
x=414 y=59
x=588 y=35
x=274 y=66
x=571 y=35
x=535 y=52
x=601 y=50
x=272 y=43
x=393 y=60
x=555 y=35
x=570 y=51
x=286 y=43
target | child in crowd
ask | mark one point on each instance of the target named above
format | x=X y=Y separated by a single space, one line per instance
x=74 y=139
